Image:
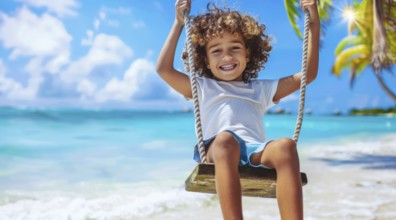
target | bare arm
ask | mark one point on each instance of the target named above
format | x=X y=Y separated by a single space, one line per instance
x=290 y=84
x=176 y=79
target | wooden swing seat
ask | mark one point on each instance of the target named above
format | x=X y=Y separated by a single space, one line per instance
x=255 y=182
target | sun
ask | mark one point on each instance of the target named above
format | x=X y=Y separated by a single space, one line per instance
x=345 y=13
x=349 y=14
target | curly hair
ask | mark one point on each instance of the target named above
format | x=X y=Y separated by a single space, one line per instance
x=213 y=24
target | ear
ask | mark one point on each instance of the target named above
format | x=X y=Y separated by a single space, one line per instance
x=207 y=63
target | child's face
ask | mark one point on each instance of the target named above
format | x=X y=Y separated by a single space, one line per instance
x=227 y=57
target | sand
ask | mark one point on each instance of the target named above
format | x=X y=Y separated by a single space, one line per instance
x=351 y=180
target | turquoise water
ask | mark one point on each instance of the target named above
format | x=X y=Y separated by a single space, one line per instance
x=73 y=146
x=69 y=151
x=76 y=145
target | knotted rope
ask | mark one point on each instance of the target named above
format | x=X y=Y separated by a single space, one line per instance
x=193 y=79
x=303 y=83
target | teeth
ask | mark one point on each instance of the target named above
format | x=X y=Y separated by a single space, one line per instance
x=228 y=67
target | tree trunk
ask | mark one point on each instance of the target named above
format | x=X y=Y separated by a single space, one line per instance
x=385 y=88
x=379 y=59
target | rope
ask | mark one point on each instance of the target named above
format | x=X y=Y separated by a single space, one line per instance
x=303 y=83
x=193 y=80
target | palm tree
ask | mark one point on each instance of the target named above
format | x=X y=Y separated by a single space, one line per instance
x=371 y=40
x=294 y=13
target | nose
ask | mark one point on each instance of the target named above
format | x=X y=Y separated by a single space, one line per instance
x=227 y=57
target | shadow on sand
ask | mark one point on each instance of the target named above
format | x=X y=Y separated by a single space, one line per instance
x=368 y=161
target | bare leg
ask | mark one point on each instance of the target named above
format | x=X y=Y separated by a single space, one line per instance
x=282 y=155
x=224 y=152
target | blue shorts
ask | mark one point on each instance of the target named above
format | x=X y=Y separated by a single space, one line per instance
x=247 y=150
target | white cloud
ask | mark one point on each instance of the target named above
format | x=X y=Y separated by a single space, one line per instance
x=3 y=68
x=140 y=71
x=102 y=15
x=87 y=88
x=103 y=19
x=105 y=50
x=140 y=82
x=53 y=66
x=43 y=43
x=96 y=24
x=6 y=84
x=43 y=39
x=108 y=49
x=115 y=90
x=58 y=7
x=29 y=35
x=30 y=91
x=124 y=89
x=88 y=41
x=34 y=68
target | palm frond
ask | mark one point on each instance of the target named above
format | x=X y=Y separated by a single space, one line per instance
x=358 y=64
x=347 y=41
x=345 y=57
x=293 y=13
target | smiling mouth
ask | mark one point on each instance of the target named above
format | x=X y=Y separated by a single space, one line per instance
x=228 y=67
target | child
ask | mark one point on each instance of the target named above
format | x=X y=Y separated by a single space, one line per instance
x=230 y=50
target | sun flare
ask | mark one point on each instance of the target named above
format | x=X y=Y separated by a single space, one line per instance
x=349 y=14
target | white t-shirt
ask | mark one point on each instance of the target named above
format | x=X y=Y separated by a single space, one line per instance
x=235 y=106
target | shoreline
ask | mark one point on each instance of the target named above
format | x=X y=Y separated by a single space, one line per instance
x=341 y=185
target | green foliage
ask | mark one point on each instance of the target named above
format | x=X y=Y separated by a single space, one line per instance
x=294 y=12
x=373 y=111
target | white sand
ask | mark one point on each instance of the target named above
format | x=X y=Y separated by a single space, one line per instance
x=348 y=188
x=333 y=193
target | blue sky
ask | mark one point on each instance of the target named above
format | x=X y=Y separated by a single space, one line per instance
x=102 y=54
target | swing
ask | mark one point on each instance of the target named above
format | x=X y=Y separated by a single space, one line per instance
x=255 y=182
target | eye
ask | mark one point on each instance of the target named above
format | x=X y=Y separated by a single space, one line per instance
x=215 y=51
x=236 y=48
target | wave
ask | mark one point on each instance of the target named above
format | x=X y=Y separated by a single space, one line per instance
x=348 y=147
x=128 y=204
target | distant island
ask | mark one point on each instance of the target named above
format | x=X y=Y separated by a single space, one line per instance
x=373 y=111
x=337 y=112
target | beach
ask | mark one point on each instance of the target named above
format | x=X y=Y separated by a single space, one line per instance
x=352 y=182
x=80 y=165
x=356 y=183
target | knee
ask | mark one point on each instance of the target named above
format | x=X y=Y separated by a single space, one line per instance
x=286 y=152
x=225 y=146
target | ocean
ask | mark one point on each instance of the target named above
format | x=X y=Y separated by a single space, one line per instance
x=77 y=164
